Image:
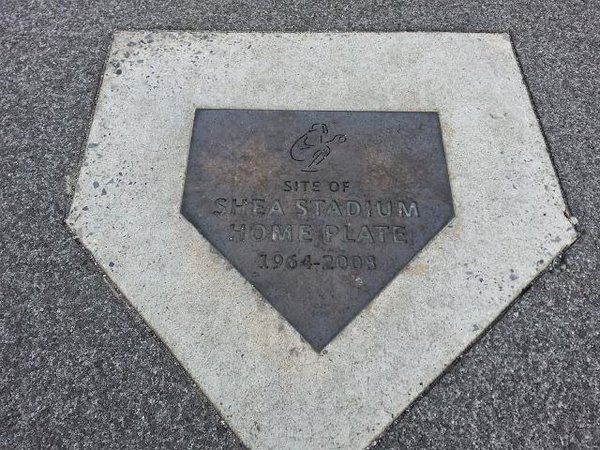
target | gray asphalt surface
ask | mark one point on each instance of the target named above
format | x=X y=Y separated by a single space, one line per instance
x=79 y=368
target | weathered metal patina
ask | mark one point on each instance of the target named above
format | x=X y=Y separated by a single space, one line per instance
x=319 y=210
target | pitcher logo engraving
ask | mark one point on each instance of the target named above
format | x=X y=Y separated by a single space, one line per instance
x=314 y=146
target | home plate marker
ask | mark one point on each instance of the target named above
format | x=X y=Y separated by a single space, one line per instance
x=318 y=222
x=382 y=197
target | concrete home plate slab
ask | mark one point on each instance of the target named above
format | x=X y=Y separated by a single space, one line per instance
x=278 y=114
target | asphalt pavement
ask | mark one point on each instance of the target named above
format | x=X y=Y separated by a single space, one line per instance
x=79 y=367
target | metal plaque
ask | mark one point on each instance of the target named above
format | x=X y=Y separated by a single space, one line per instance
x=319 y=210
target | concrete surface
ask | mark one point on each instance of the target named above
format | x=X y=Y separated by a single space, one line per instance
x=270 y=386
x=84 y=371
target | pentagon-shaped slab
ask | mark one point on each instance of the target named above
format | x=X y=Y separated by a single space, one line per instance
x=269 y=384
x=318 y=210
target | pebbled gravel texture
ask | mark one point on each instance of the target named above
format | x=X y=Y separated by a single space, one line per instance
x=80 y=369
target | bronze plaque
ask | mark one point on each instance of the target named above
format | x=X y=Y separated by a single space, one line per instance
x=319 y=210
